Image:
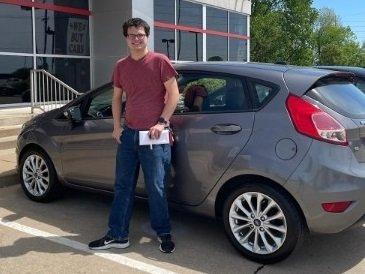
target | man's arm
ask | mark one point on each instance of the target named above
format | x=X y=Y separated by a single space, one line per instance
x=172 y=92
x=117 y=112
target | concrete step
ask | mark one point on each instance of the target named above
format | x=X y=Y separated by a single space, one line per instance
x=8 y=142
x=11 y=120
x=6 y=131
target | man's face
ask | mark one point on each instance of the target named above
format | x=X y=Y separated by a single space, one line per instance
x=137 y=39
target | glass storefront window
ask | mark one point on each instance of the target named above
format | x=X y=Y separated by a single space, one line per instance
x=81 y=4
x=217 y=19
x=74 y=72
x=190 y=46
x=189 y=14
x=61 y=33
x=217 y=48
x=165 y=42
x=15 y=79
x=237 y=50
x=15 y=29
x=237 y=23
x=164 y=10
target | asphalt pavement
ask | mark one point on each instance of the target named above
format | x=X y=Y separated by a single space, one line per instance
x=52 y=238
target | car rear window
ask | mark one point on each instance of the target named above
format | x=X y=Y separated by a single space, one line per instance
x=361 y=84
x=341 y=96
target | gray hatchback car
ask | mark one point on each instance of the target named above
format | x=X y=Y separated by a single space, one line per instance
x=273 y=151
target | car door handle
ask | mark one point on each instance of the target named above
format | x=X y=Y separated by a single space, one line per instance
x=226 y=129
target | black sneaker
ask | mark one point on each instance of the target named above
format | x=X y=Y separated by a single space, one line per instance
x=166 y=244
x=108 y=242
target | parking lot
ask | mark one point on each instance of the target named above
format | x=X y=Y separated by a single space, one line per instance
x=52 y=238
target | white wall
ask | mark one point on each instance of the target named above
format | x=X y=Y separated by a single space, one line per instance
x=107 y=40
x=144 y=9
x=243 y=6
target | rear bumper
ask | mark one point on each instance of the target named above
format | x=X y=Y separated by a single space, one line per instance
x=330 y=173
x=360 y=222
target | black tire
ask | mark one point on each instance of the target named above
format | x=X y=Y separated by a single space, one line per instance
x=292 y=221
x=53 y=189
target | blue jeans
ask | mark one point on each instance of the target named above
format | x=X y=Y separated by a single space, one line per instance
x=155 y=164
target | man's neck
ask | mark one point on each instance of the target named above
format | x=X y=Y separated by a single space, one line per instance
x=139 y=54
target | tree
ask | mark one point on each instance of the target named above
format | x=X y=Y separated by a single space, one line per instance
x=334 y=43
x=282 y=30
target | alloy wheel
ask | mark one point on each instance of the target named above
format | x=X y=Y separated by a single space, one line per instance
x=258 y=223
x=35 y=175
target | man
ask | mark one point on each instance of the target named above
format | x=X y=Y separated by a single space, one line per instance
x=149 y=82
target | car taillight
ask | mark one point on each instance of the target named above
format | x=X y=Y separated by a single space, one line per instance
x=337 y=207
x=310 y=120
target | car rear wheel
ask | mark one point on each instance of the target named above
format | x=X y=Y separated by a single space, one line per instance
x=262 y=223
x=38 y=176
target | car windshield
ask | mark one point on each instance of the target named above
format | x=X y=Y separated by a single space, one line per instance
x=343 y=97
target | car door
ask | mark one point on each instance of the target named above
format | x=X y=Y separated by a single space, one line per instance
x=208 y=137
x=88 y=149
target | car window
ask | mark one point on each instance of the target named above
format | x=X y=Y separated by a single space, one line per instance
x=211 y=93
x=361 y=85
x=101 y=105
x=344 y=98
x=262 y=92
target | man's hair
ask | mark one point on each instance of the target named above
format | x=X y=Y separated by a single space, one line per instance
x=135 y=22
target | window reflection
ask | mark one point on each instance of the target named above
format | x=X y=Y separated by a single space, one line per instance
x=237 y=23
x=217 y=19
x=73 y=71
x=217 y=48
x=15 y=29
x=237 y=50
x=81 y=4
x=164 y=10
x=14 y=79
x=61 y=33
x=164 y=42
x=189 y=14
x=190 y=45
x=199 y=92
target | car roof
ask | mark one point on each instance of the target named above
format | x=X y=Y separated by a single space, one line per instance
x=356 y=70
x=297 y=79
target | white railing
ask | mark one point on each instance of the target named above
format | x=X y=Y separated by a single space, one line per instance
x=47 y=92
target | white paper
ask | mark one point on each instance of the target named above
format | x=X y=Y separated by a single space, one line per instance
x=144 y=138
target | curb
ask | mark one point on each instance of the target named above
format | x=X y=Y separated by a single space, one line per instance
x=9 y=178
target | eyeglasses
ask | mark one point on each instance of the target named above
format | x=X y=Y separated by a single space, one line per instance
x=139 y=36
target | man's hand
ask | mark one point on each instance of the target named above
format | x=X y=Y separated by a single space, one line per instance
x=116 y=134
x=155 y=131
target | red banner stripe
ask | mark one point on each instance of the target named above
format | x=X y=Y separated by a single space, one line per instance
x=29 y=3
x=199 y=30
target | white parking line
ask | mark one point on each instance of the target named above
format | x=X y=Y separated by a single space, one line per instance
x=120 y=259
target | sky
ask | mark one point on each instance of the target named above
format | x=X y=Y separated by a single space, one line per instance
x=351 y=12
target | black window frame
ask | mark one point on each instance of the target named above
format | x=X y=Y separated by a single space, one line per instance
x=241 y=78
x=257 y=106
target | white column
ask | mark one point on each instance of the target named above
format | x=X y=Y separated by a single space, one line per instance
x=91 y=38
x=249 y=40
x=204 y=34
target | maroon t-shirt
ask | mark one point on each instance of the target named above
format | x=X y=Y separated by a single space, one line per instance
x=143 y=82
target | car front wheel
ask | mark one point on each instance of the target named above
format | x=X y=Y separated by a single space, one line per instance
x=38 y=176
x=262 y=223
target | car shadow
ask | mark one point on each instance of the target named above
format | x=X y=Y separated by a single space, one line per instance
x=200 y=242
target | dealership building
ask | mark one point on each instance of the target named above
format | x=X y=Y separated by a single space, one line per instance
x=79 y=41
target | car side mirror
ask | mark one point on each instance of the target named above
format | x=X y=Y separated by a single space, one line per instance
x=74 y=114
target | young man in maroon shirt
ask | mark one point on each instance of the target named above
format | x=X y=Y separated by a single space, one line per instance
x=146 y=78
